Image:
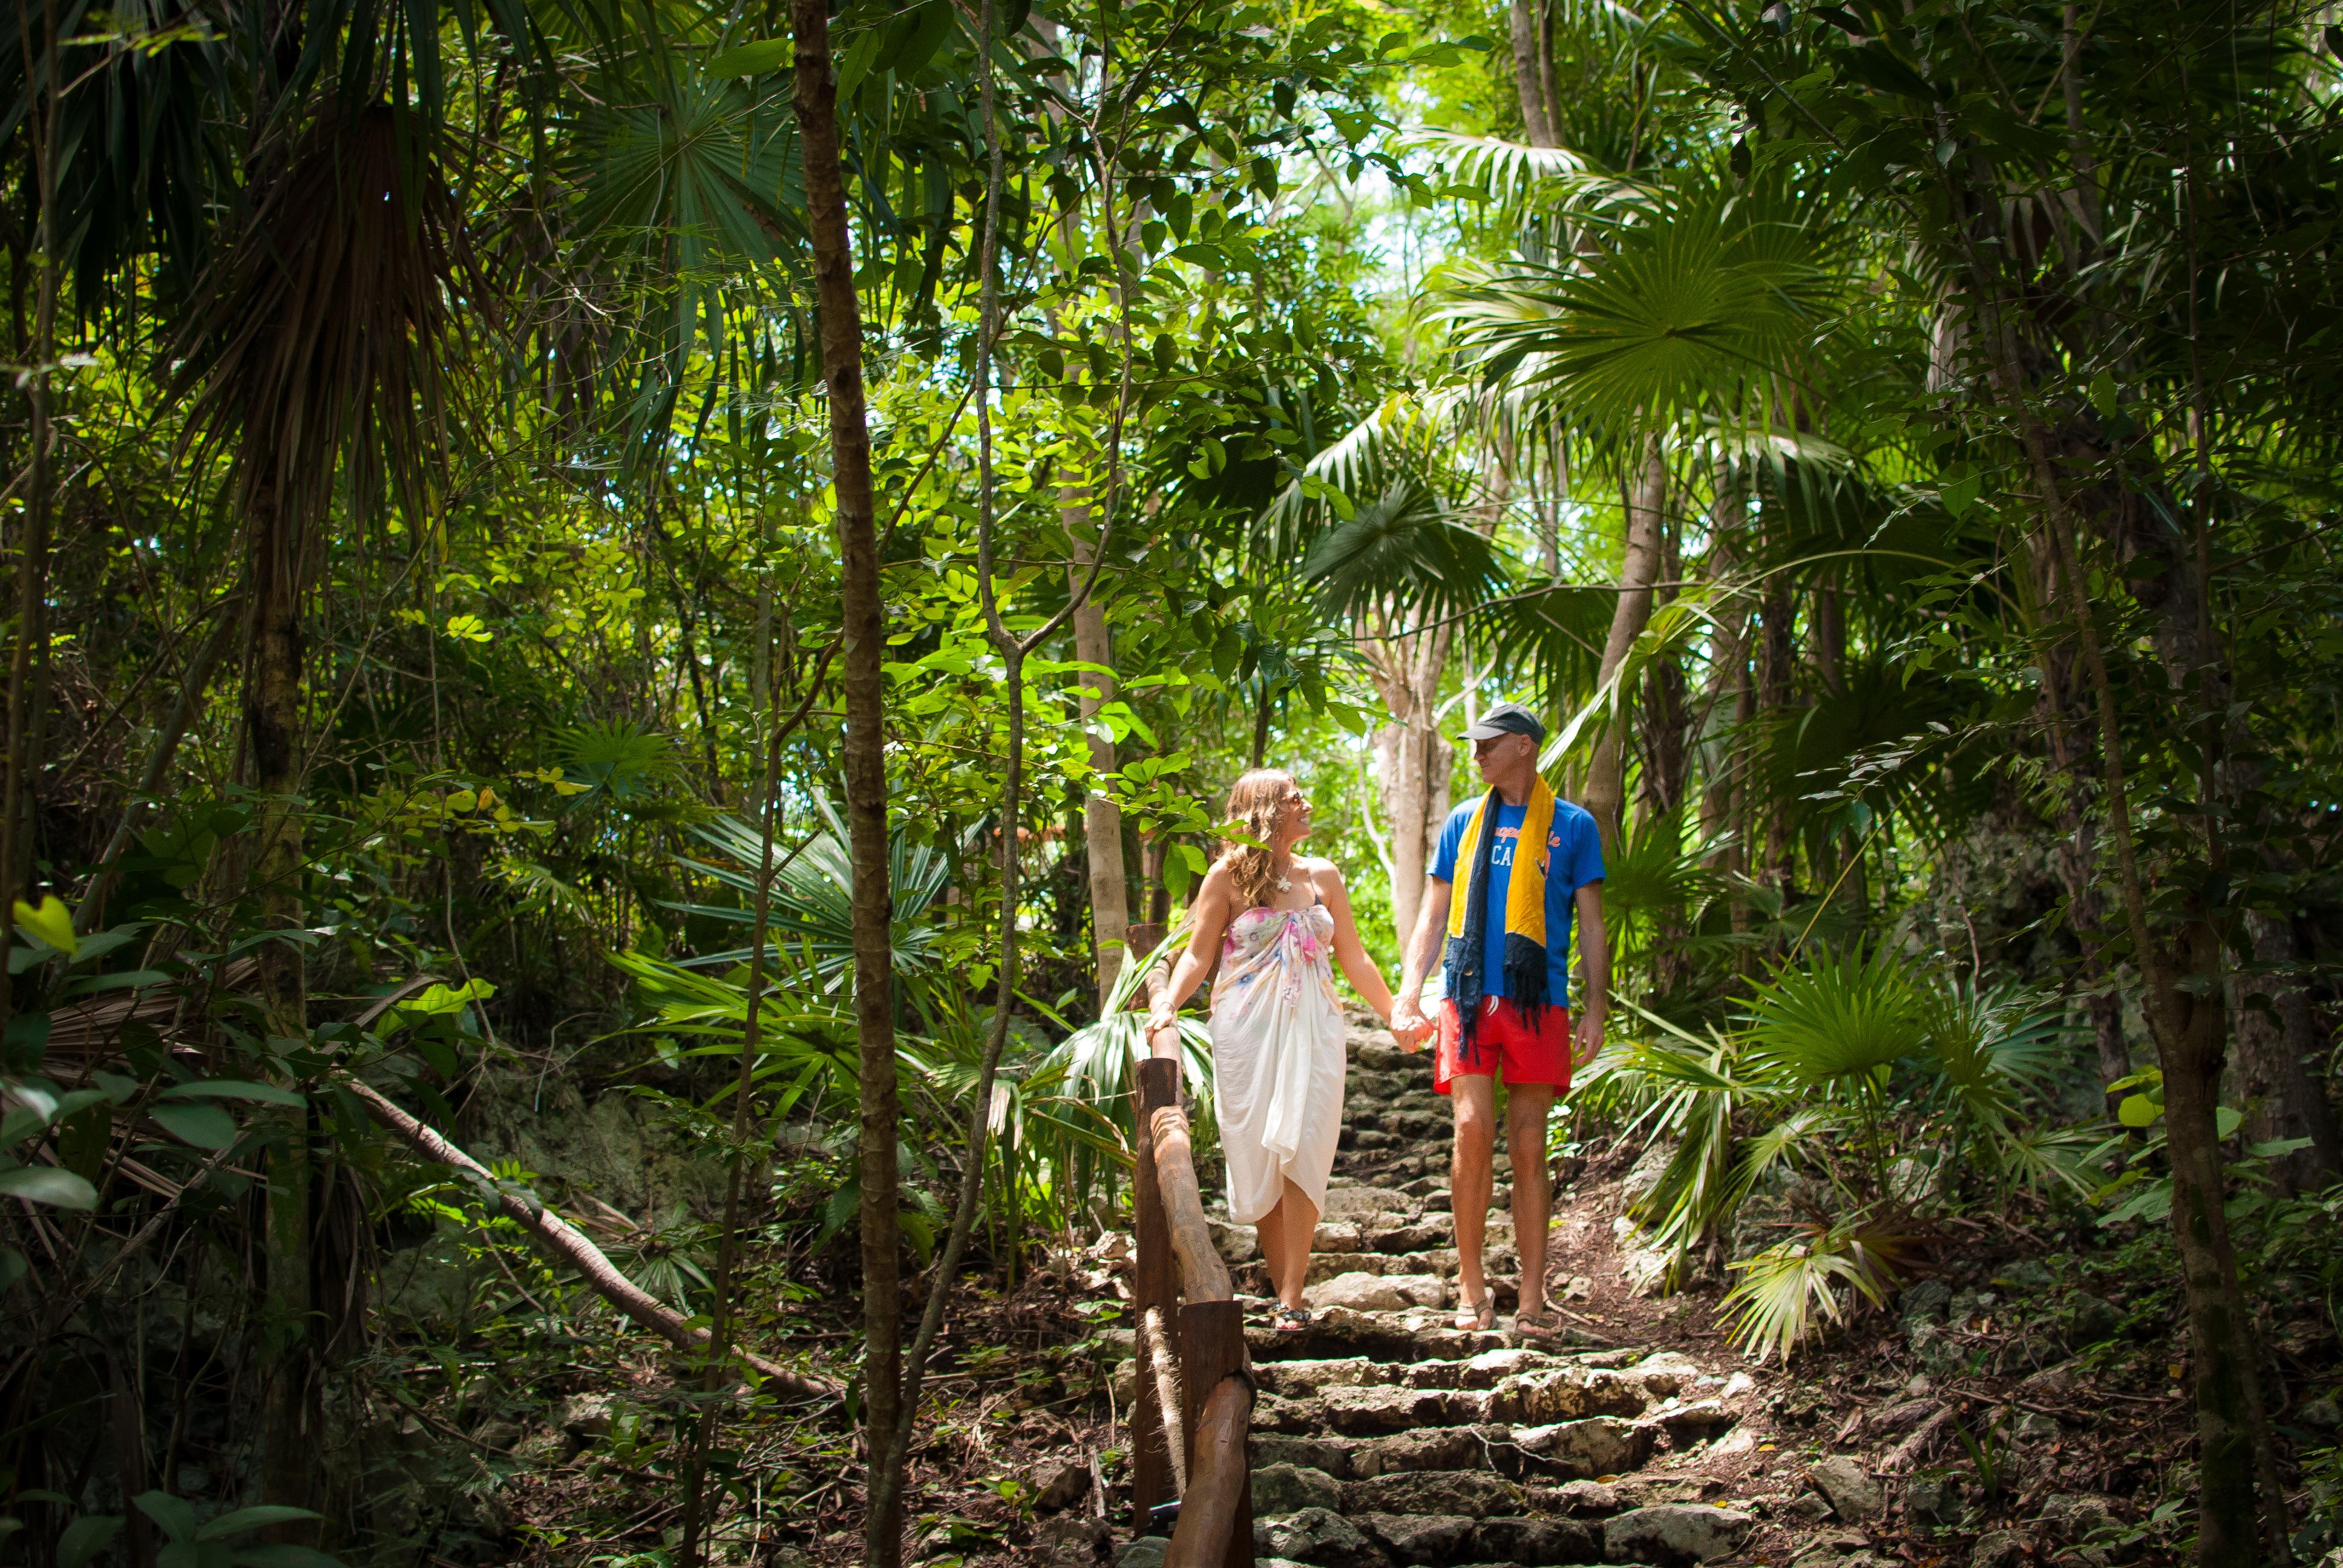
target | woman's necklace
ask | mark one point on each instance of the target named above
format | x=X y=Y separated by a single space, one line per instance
x=1286 y=883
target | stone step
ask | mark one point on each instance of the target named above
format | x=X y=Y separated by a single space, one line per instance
x=1531 y=1399
x=1321 y=1536
x=1484 y=1371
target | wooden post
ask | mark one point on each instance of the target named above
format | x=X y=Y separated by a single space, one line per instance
x=1156 y=1284
x=1212 y=1352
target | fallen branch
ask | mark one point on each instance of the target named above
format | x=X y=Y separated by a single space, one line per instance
x=1908 y=1454
x=568 y=1243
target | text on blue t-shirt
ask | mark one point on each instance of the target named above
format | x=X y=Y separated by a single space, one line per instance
x=1574 y=858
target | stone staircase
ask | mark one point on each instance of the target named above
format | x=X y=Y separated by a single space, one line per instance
x=1385 y=1436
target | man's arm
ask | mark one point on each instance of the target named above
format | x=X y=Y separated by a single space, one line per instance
x=1594 y=974
x=1431 y=921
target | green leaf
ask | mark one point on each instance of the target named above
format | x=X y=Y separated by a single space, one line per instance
x=232 y=1089
x=2102 y=394
x=176 y=1515
x=441 y=999
x=1959 y=490
x=47 y=1184
x=205 y=1126
x=244 y=1519
x=13 y=1268
x=51 y=923
x=2138 y=1111
x=2226 y=1121
x=755 y=59
x=86 y=1537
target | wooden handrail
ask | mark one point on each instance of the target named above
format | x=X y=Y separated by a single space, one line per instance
x=1203 y=1276
x=1215 y=1527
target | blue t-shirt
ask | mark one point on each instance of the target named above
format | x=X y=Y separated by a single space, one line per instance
x=1574 y=852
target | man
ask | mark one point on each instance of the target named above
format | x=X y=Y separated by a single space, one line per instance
x=1526 y=859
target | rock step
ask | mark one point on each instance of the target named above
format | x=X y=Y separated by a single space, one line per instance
x=1663 y=1533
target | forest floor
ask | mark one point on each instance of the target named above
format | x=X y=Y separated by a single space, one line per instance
x=2021 y=1402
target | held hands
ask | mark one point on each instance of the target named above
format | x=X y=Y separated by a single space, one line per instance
x=1408 y=1025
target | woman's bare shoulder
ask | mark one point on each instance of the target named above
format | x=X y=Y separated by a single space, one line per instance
x=1323 y=870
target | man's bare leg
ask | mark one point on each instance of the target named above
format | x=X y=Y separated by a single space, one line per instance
x=1470 y=1180
x=1527 y=1106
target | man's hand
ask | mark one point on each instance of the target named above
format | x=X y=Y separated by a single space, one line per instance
x=1587 y=1037
x=1408 y=1024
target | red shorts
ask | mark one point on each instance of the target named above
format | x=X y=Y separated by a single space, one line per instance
x=1539 y=1055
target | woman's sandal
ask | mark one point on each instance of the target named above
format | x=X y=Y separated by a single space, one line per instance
x=1544 y=1323
x=1479 y=1317
x=1292 y=1319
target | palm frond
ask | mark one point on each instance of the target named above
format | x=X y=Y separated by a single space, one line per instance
x=1785 y=1287
x=1402 y=555
x=1842 y=1016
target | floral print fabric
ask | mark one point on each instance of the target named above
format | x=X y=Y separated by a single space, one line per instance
x=1277 y=1049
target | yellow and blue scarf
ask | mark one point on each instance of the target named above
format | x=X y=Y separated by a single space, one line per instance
x=1468 y=915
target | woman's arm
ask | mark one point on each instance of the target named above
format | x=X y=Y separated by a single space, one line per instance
x=1210 y=915
x=1349 y=951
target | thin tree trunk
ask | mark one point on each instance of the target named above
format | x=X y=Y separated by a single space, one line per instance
x=1101 y=818
x=1728 y=671
x=863 y=635
x=2277 y=1036
x=1776 y=653
x=192 y=687
x=1647 y=502
x=1529 y=82
x=30 y=652
x=272 y=726
x=1414 y=761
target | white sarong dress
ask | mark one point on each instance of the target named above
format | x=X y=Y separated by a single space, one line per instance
x=1278 y=1057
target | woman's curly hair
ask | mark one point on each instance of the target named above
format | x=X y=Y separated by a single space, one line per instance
x=1259 y=801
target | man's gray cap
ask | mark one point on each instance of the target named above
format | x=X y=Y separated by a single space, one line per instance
x=1507 y=718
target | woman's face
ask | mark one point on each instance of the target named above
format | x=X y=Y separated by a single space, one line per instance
x=1292 y=816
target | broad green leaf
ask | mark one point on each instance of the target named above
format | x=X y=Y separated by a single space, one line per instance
x=205 y=1126
x=753 y=59
x=51 y=922
x=46 y=1184
x=244 y=1519
x=86 y=1537
x=2138 y=1111
x=176 y=1515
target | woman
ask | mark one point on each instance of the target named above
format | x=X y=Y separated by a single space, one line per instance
x=1277 y=1033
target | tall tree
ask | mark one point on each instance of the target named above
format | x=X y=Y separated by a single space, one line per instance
x=863 y=650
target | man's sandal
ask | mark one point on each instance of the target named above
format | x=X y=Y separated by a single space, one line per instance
x=1294 y=1320
x=1544 y=1323
x=1476 y=1316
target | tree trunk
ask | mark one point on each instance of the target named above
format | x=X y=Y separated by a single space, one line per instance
x=28 y=658
x=1645 y=504
x=1101 y=818
x=2277 y=1036
x=1776 y=653
x=1414 y=763
x=272 y=726
x=863 y=635
x=1529 y=82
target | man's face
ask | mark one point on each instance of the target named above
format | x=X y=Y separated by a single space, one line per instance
x=1501 y=757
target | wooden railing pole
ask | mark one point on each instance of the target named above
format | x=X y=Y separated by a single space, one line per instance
x=1219 y=1390
x=1156 y=1284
